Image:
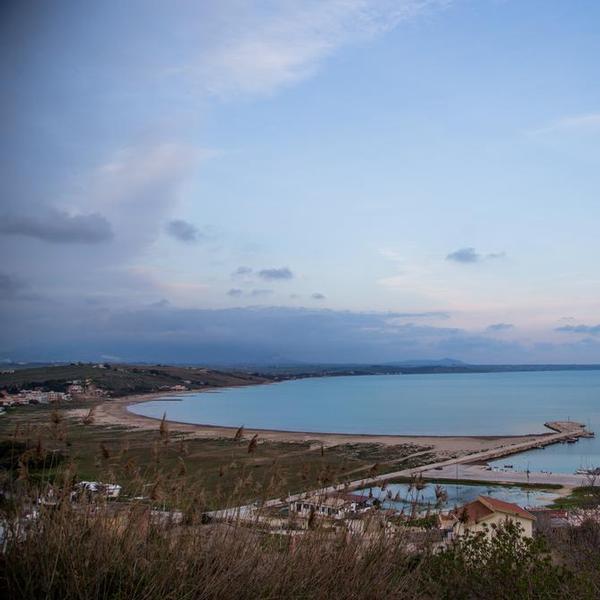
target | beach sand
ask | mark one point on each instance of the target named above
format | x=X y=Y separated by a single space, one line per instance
x=114 y=413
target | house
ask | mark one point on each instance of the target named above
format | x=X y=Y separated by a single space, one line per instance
x=483 y=512
x=96 y=488
x=371 y=522
x=334 y=506
x=57 y=397
x=75 y=389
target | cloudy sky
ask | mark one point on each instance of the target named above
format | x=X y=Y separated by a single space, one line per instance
x=342 y=180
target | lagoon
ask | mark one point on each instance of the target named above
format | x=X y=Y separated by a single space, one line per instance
x=400 y=496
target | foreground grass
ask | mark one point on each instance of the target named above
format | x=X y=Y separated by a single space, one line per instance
x=107 y=551
x=130 y=456
x=59 y=548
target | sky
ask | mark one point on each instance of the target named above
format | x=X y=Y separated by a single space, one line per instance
x=279 y=181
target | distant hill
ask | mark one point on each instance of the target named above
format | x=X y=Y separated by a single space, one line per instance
x=126 y=379
x=442 y=362
x=123 y=379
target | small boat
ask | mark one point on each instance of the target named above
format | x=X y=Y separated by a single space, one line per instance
x=572 y=440
x=508 y=466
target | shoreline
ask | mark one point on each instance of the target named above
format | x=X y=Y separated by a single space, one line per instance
x=318 y=433
x=115 y=413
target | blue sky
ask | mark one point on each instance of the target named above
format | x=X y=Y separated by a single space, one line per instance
x=344 y=180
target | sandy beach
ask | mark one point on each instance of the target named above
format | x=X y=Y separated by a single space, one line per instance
x=115 y=413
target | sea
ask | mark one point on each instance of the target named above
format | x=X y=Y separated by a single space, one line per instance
x=485 y=404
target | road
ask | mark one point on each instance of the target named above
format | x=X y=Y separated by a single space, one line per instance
x=479 y=473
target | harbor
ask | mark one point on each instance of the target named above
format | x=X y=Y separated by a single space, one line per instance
x=471 y=467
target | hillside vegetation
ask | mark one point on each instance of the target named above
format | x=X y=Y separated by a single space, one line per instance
x=124 y=379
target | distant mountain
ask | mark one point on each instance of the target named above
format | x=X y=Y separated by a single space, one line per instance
x=442 y=362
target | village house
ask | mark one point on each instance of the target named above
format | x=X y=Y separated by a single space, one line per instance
x=483 y=513
x=75 y=388
x=334 y=506
x=96 y=488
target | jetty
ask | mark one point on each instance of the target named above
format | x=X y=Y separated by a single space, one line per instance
x=564 y=430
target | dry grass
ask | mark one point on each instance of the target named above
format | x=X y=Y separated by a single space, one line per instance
x=92 y=548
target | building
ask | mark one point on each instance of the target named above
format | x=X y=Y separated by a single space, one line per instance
x=32 y=397
x=75 y=389
x=482 y=513
x=97 y=488
x=334 y=506
x=58 y=397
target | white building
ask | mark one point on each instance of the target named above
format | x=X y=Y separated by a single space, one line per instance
x=482 y=513
x=334 y=506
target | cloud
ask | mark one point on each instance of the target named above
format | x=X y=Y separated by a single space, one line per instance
x=401 y=317
x=318 y=296
x=585 y=329
x=139 y=187
x=183 y=231
x=500 y=327
x=256 y=293
x=583 y=123
x=58 y=227
x=242 y=272
x=464 y=255
x=276 y=274
x=77 y=331
x=172 y=334
x=469 y=255
x=267 y=49
x=11 y=286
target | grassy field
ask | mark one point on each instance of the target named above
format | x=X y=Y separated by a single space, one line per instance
x=146 y=462
x=582 y=497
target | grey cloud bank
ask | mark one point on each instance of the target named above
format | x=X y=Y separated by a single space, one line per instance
x=11 y=286
x=58 y=227
x=585 y=329
x=164 y=333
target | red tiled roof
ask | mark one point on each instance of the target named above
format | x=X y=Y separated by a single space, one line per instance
x=505 y=507
x=484 y=506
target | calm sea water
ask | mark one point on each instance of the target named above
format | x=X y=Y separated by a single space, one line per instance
x=398 y=495
x=440 y=404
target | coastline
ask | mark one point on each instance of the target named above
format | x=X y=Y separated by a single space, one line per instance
x=115 y=413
